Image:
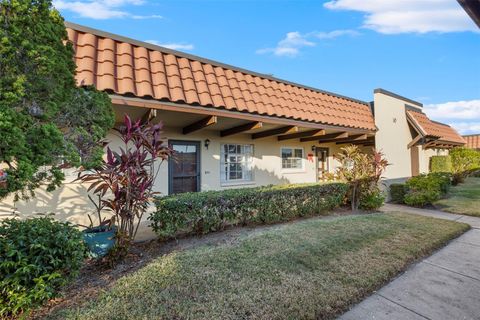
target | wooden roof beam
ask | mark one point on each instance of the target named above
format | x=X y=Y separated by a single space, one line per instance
x=354 y=138
x=331 y=137
x=310 y=133
x=414 y=141
x=242 y=128
x=201 y=124
x=148 y=116
x=275 y=132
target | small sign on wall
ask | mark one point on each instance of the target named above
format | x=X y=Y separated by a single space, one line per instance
x=310 y=157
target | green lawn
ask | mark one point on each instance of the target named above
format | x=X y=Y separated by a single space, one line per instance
x=463 y=199
x=310 y=269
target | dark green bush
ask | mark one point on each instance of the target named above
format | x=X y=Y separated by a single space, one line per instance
x=37 y=257
x=372 y=200
x=397 y=192
x=440 y=164
x=421 y=198
x=204 y=212
x=426 y=189
x=442 y=179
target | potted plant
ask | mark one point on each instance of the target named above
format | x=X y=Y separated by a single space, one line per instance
x=124 y=181
x=99 y=239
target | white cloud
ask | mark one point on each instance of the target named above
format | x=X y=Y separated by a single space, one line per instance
x=106 y=9
x=294 y=41
x=454 y=110
x=409 y=16
x=173 y=46
x=462 y=115
x=335 y=34
x=466 y=127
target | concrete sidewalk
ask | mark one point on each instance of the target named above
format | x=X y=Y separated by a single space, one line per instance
x=445 y=285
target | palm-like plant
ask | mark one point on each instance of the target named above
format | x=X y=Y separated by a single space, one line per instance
x=125 y=179
x=360 y=170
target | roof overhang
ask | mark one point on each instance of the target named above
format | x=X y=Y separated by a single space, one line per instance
x=185 y=108
x=472 y=7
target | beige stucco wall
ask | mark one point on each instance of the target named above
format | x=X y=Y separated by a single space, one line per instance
x=70 y=202
x=393 y=137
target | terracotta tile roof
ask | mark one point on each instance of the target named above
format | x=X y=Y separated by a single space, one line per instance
x=127 y=67
x=473 y=141
x=435 y=129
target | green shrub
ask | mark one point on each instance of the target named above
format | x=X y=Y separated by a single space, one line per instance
x=204 y=212
x=464 y=163
x=440 y=164
x=421 y=198
x=442 y=179
x=372 y=200
x=38 y=256
x=397 y=192
x=426 y=189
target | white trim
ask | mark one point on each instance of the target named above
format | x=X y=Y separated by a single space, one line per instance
x=224 y=182
x=293 y=170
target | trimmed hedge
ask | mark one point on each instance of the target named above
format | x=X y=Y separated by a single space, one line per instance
x=397 y=192
x=204 y=212
x=440 y=164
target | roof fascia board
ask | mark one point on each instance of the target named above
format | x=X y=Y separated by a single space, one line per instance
x=170 y=106
x=150 y=46
x=472 y=7
x=415 y=125
x=397 y=96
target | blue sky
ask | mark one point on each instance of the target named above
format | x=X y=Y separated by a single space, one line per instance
x=427 y=50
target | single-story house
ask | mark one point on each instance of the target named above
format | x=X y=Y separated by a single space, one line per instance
x=234 y=128
x=473 y=141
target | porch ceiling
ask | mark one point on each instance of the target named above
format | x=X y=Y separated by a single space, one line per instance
x=226 y=126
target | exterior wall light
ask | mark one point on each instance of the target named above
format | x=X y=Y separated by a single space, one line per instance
x=313 y=148
x=207 y=143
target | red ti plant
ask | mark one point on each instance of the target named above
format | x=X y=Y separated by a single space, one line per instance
x=125 y=179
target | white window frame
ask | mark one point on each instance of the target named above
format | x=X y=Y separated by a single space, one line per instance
x=246 y=164
x=302 y=159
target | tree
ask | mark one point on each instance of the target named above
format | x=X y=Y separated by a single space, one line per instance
x=45 y=119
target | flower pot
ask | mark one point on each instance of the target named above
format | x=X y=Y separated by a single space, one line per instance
x=99 y=240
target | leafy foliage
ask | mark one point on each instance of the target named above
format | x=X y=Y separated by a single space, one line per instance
x=426 y=189
x=372 y=199
x=464 y=162
x=397 y=192
x=440 y=164
x=361 y=171
x=125 y=179
x=45 y=119
x=209 y=211
x=38 y=256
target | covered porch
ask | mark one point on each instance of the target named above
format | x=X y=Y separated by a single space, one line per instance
x=218 y=149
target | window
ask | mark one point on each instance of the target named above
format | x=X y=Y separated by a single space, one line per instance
x=292 y=158
x=236 y=162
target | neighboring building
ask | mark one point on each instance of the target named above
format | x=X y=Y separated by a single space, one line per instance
x=473 y=141
x=232 y=127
